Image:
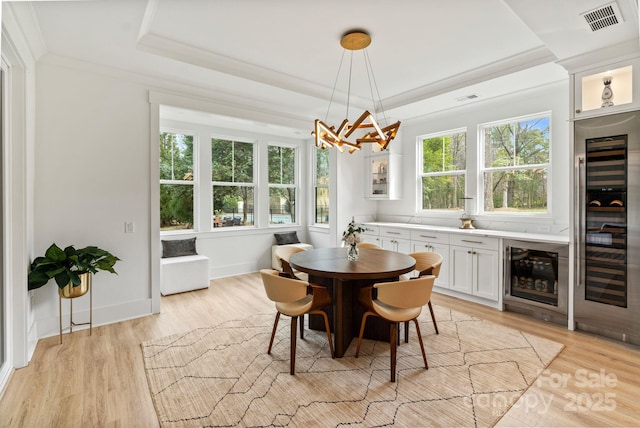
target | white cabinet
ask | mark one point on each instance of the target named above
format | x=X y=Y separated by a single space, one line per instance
x=436 y=242
x=395 y=239
x=609 y=89
x=371 y=234
x=383 y=176
x=475 y=266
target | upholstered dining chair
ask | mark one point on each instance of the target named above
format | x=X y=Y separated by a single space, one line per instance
x=396 y=302
x=283 y=253
x=292 y=299
x=368 y=245
x=427 y=263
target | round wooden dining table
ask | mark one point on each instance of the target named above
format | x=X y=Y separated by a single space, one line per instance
x=344 y=278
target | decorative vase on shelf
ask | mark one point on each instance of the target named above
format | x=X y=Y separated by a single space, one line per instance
x=353 y=253
x=607 y=92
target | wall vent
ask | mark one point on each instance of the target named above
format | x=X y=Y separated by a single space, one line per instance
x=603 y=17
x=467 y=97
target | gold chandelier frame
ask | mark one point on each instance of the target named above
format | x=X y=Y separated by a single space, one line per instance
x=327 y=136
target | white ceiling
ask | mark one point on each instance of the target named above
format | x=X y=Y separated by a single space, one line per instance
x=283 y=55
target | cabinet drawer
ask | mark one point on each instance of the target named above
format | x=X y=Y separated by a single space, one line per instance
x=371 y=229
x=475 y=241
x=428 y=236
x=386 y=232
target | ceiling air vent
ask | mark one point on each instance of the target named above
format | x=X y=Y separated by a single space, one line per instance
x=603 y=17
x=467 y=97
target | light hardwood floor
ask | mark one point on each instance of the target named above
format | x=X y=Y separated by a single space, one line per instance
x=99 y=380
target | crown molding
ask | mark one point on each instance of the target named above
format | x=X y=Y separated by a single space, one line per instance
x=182 y=52
x=620 y=52
x=20 y=20
x=515 y=63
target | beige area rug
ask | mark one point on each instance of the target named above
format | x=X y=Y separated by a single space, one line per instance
x=223 y=376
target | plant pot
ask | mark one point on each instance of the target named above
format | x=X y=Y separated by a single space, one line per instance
x=69 y=291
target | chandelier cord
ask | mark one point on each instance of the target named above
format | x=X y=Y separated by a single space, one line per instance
x=367 y=66
x=335 y=83
x=349 y=86
x=368 y=62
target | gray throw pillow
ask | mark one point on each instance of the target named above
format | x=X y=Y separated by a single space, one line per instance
x=179 y=248
x=284 y=238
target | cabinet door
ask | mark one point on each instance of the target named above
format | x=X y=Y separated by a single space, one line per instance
x=372 y=239
x=462 y=269
x=383 y=172
x=442 y=249
x=486 y=271
x=396 y=244
x=609 y=89
x=443 y=277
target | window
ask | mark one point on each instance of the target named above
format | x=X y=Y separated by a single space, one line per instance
x=515 y=166
x=176 y=181
x=232 y=176
x=282 y=185
x=321 y=186
x=442 y=178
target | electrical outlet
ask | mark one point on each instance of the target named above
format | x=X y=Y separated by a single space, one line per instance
x=129 y=227
x=544 y=228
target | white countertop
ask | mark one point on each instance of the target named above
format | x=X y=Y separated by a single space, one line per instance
x=534 y=237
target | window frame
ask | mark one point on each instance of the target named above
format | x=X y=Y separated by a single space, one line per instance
x=194 y=183
x=421 y=174
x=315 y=187
x=482 y=169
x=295 y=186
x=254 y=184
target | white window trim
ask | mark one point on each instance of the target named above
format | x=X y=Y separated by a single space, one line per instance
x=419 y=165
x=254 y=184
x=194 y=183
x=295 y=186
x=482 y=169
x=314 y=172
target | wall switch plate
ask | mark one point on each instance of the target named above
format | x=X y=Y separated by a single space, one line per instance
x=129 y=227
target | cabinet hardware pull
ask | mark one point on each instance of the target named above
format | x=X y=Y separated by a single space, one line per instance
x=393 y=233
x=469 y=252
x=472 y=242
x=427 y=236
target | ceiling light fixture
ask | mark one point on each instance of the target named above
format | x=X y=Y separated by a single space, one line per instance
x=369 y=131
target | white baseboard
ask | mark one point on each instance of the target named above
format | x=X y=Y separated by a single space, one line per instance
x=232 y=270
x=101 y=316
x=6 y=371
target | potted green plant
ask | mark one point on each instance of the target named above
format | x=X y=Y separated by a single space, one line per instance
x=71 y=268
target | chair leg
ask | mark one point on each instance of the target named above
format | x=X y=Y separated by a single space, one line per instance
x=328 y=329
x=424 y=356
x=273 y=332
x=433 y=317
x=302 y=326
x=294 y=328
x=362 y=324
x=393 y=341
x=406 y=332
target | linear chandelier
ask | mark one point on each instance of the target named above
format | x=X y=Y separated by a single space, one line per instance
x=365 y=129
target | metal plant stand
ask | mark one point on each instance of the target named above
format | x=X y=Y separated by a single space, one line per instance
x=70 y=293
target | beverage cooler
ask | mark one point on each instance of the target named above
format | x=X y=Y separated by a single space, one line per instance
x=607 y=287
x=536 y=279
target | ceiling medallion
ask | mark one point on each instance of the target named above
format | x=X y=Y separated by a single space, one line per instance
x=345 y=136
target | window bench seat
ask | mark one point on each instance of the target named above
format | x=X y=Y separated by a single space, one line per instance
x=185 y=273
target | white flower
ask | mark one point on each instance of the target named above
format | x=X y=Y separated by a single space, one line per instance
x=351 y=236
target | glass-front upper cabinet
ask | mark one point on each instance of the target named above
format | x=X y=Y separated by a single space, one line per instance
x=383 y=172
x=605 y=90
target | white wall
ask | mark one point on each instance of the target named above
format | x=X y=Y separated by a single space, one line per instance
x=91 y=175
x=554 y=98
